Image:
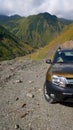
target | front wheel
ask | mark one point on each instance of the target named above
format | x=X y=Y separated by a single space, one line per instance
x=48 y=97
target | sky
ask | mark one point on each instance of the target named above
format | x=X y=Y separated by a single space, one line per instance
x=60 y=8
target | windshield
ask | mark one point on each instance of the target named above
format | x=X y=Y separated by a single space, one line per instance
x=64 y=56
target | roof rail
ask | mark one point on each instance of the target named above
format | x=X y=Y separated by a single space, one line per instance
x=59 y=48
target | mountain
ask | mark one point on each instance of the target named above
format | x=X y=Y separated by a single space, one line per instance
x=37 y=30
x=11 y=46
x=4 y=19
x=64 y=39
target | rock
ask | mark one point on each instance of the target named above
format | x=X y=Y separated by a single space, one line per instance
x=40 y=90
x=8 y=77
x=17 y=99
x=25 y=114
x=38 y=104
x=17 y=126
x=23 y=105
x=30 y=128
x=30 y=82
x=19 y=81
x=30 y=95
x=12 y=69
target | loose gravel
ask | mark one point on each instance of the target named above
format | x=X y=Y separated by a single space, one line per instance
x=22 y=103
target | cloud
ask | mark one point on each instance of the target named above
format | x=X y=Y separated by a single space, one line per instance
x=61 y=8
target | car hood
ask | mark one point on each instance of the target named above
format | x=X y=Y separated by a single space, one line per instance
x=62 y=70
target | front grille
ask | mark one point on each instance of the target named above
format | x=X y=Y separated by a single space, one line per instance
x=70 y=83
x=70 y=80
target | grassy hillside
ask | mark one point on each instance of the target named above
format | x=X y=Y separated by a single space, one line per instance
x=5 y=19
x=37 y=30
x=48 y=50
x=11 y=46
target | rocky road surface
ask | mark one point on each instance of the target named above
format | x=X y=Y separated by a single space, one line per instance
x=22 y=103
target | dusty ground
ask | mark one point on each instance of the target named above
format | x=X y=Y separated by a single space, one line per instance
x=22 y=104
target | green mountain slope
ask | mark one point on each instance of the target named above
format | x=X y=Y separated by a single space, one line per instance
x=5 y=19
x=48 y=50
x=11 y=46
x=37 y=30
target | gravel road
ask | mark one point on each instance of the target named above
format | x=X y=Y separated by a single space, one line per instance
x=22 y=103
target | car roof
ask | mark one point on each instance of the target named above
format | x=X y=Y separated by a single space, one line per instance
x=64 y=50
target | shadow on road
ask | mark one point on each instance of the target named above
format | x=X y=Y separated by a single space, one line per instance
x=68 y=104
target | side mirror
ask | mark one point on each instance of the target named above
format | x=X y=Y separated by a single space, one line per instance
x=48 y=61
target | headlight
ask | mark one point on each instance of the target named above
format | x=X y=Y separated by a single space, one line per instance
x=58 y=80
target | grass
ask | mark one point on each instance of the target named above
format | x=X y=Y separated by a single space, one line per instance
x=49 y=49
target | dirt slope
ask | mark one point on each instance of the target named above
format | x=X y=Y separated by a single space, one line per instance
x=22 y=104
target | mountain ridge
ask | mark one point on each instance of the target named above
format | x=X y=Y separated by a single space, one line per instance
x=37 y=30
x=17 y=33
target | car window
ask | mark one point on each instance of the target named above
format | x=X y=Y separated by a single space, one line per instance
x=64 y=56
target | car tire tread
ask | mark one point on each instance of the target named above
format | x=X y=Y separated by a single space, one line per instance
x=48 y=97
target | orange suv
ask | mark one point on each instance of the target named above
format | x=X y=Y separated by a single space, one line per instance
x=59 y=78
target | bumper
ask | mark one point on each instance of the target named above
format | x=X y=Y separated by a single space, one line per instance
x=59 y=92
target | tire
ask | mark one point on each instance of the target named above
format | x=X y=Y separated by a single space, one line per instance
x=48 y=97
